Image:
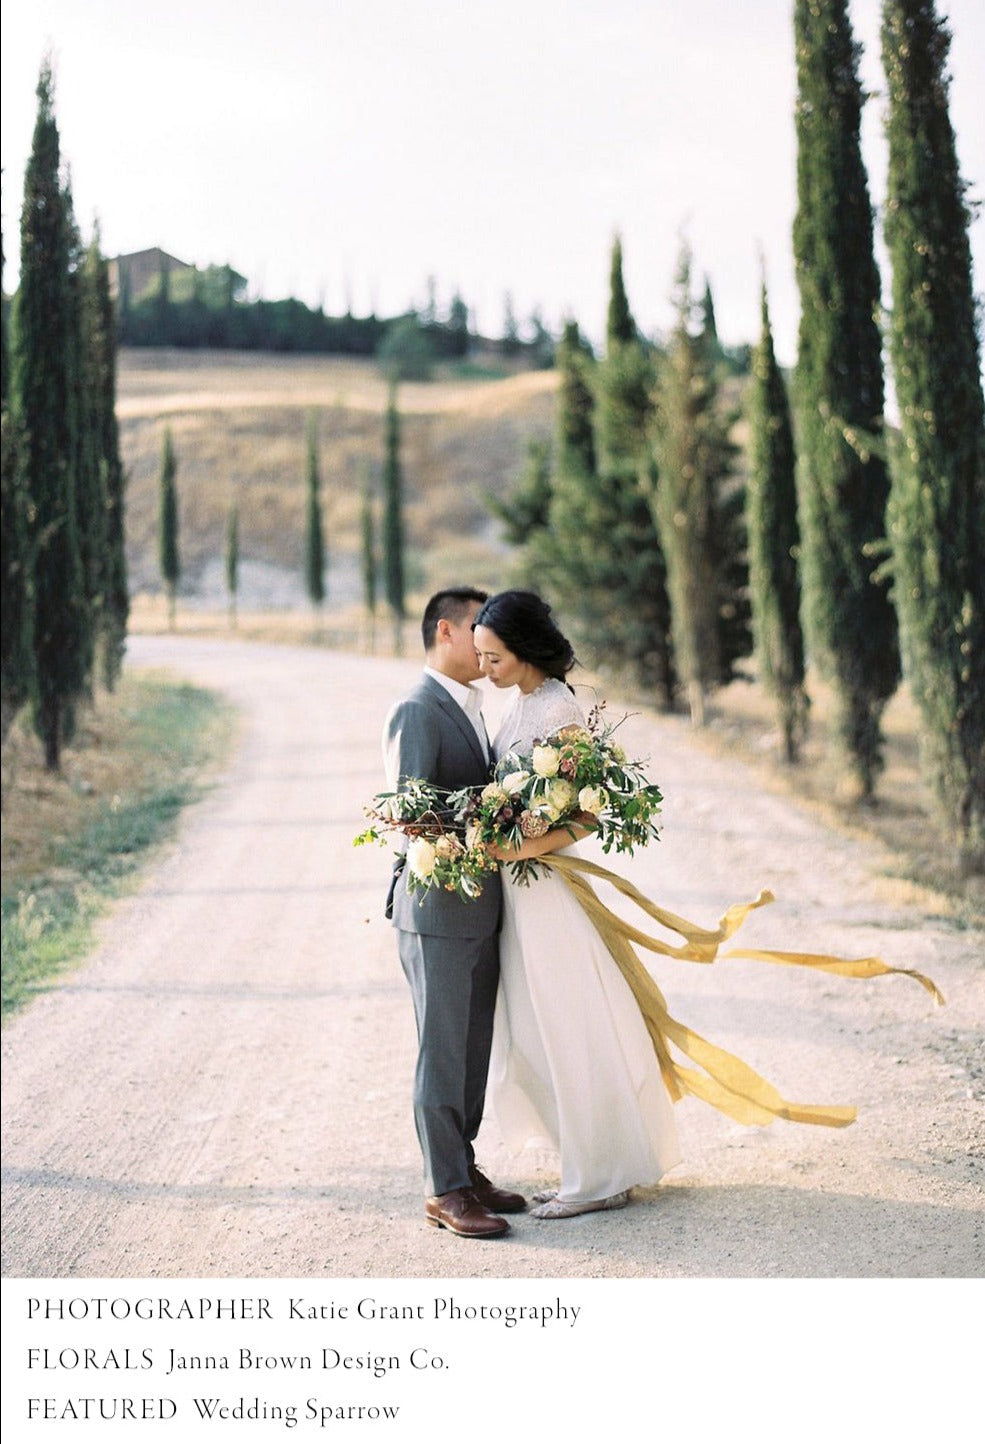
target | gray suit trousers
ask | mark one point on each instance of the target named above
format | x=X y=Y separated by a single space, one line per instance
x=453 y=983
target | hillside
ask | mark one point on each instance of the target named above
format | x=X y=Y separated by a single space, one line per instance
x=238 y=424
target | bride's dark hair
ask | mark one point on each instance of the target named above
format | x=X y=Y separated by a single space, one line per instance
x=522 y=622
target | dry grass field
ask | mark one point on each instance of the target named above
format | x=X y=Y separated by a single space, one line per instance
x=238 y=423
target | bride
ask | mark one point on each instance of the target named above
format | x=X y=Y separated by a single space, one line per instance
x=572 y=1066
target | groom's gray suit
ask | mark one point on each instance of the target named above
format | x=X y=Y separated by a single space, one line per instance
x=449 y=949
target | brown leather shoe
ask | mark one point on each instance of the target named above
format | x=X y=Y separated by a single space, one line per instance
x=495 y=1198
x=461 y=1212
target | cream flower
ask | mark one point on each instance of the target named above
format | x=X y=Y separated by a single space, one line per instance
x=515 y=782
x=546 y=761
x=495 y=792
x=593 y=800
x=448 y=846
x=421 y=857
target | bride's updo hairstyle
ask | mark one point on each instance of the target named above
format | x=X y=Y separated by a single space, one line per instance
x=522 y=622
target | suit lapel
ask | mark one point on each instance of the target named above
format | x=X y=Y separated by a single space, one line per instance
x=455 y=713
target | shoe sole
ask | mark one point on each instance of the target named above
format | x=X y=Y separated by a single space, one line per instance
x=464 y=1232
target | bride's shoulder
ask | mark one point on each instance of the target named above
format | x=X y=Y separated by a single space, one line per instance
x=557 y=706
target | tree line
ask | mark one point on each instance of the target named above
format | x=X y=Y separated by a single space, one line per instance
x=193 y=308
x=853 y=544
x=65 y=598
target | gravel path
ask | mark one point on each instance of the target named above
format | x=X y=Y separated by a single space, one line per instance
x=223 y=1090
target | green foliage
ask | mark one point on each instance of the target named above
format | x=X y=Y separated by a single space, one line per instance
x=774 y=540
x=843 y=480
x=314 y=535
x=168 y=555
x=527 y=509
x=937 y=504
x=114 y=596
x=232 y=558
x=599 y=558
x=369 y=559
x=698 y=508
x=406 y=352
x=393 y=517
x=620 y=327
x=45 y=351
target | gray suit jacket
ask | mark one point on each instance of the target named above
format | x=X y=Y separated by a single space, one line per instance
x=428 y=735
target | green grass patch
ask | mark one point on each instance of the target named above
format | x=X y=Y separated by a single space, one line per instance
x=75 y=843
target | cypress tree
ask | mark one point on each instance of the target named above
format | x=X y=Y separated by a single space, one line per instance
x=370 y=569
x=527 y=509
x=774 y=541
x=620 y=327
x=314 y=536
x=90 y=502
x=232 y=559
x=843 y=480
x=115 y=594
x=600 y=556
x=937 y=504
x=167 y=524
x=393 y=520
x=43 y=393
x=698 y=507
x=16 y=661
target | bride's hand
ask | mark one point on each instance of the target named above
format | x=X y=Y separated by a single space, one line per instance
x=532 y=847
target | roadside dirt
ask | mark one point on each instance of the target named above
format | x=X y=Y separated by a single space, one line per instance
x=223 y=1090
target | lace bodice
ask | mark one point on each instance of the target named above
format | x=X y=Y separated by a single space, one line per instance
x=536 y=715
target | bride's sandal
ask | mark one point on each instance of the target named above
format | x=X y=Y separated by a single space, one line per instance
x=544 y=1195
x=557 y=1208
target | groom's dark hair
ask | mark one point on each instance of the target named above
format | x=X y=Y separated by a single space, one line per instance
x=453 y=604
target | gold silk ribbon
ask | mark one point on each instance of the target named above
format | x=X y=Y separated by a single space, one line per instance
x=724 y=1081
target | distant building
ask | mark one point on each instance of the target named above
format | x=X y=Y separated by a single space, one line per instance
x=141 y=272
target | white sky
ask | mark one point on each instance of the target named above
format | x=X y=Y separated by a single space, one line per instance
x=345 y=150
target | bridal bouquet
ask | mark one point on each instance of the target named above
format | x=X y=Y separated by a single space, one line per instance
x=578 y=776
x=437 y=854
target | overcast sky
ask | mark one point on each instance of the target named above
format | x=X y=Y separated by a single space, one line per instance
x=345 y=150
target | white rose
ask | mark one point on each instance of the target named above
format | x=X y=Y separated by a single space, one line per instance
x=546 y=761
x=515 y=782
x=562 y=794
x=473 y=836
x=593 y=800
x=421 y=858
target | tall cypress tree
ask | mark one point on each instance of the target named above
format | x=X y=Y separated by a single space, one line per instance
x=43 y=393
x=937 y=504
x=16 y=661
x=115 y=593
x=393 y=520
x=231 y=559
x=843 y=481
x=369 y=560
x=90 y=503
x=527 y=509
x=774 y=540
x=314 y=535
x=698 y=507
x=169 y=558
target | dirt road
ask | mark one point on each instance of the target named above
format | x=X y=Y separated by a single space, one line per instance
x=223 y=1089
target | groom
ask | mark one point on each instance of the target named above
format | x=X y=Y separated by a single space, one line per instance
x=449 y=949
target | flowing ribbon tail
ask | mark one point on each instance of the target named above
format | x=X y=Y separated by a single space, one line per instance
x=725 y=1082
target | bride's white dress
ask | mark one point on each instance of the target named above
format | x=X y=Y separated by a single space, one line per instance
x=572 y=1068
